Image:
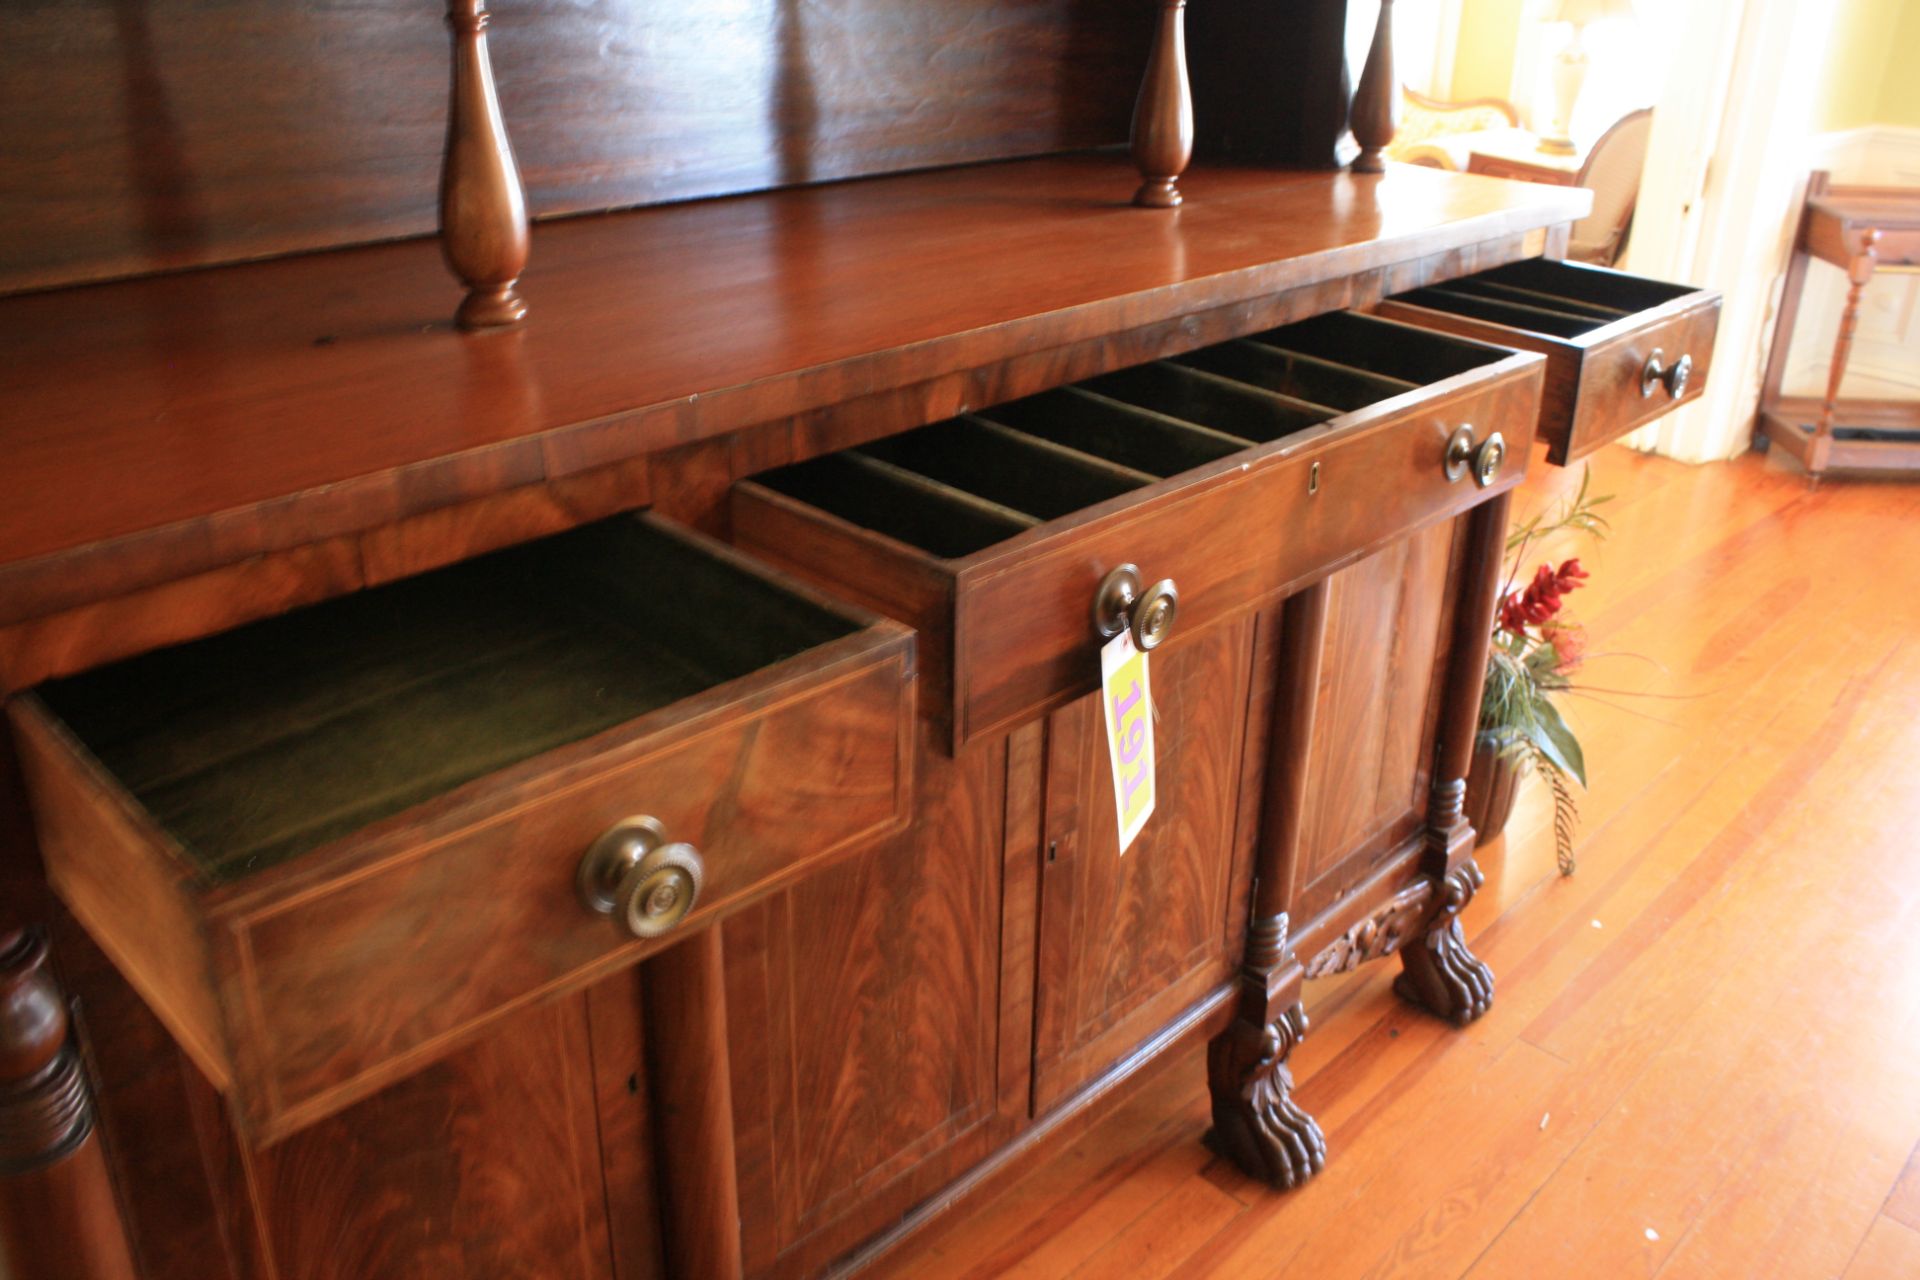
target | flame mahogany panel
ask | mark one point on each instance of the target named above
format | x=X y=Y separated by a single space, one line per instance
x=1373 y=729
x=185 y=132
x=1127 y=942
x=864 y=1012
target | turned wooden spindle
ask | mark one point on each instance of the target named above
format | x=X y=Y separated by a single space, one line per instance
x=1439 y=971
x=1255 y=1119
x=483 y=207
x=1375 y=115
x=692 y=1093
x=1163 y=113
x=58 y=1216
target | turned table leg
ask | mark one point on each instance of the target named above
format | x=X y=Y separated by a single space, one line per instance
x=1440 y=973
x=1255 y=1120
x=58 y=1216
x=686 y=1009
x=1859 y=272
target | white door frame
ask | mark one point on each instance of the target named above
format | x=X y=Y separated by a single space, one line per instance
x=1726 y=167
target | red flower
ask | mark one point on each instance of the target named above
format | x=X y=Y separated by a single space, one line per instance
x=1541 y=599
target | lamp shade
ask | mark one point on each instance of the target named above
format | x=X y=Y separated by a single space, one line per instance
x=1583 y=13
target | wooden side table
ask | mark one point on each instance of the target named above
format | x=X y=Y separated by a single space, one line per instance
x=1860 y=230
x=1515 y=153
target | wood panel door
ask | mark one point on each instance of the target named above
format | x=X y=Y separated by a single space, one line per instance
x=485 y=1165
x=863 y=1014
x=1372 y=756
x=1129 y=940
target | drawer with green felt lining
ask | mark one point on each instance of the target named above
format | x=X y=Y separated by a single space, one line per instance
x=1222 y=476
x=328 y=845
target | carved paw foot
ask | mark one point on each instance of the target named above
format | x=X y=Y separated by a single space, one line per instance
x=1444 y=977
x=1441 y=974
x=1256 y=1122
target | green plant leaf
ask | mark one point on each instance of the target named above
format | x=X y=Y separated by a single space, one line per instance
x=1555 y=740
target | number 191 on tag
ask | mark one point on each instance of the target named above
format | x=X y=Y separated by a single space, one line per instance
x=1129 y=711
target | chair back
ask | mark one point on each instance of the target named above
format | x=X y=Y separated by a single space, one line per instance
x=1612 y=171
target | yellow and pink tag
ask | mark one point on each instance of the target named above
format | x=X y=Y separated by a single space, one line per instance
x=1129 y=702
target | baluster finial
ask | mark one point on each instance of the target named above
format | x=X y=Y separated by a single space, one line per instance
x=1163 y=113
x=1376 y=103
x=483 y=207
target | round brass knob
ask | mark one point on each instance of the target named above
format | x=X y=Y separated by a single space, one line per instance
x=1459 y=453
x=1153 y=614
x=1674 y=377
x=1120 y=605
x=1677 y=376
x=1113 y=600
x=646 y=882
x=1487 y=459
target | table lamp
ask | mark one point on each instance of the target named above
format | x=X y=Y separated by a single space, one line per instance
x=1570 y=64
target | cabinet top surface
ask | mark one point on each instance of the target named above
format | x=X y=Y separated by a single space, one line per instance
x=316 y=392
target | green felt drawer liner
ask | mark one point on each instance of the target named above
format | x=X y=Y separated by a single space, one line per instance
x=254 y=746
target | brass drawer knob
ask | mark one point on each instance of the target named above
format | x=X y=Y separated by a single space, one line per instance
x=1121 y=605
x=646 y=882
x=1673 y=376
x=1488 y=459
x=1459 y=454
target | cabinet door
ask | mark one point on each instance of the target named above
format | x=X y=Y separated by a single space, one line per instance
x=1372 y=757
x=485 y=1165
x=862 y=1011
x=1129 y=940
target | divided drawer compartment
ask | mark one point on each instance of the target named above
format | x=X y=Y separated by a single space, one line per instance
x=1229 y=473
x=1621 y=350
x=328 y=846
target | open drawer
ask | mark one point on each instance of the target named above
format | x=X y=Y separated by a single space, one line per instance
x=327 y=846
x=1621 y=350
x=1014 y=538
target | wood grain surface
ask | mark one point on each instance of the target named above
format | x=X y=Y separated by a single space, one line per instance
x=212 y=416
x=193 y=131
x=1128 y=940
x=1192 y=528
x=485 y=1165
x=1635 y=1104
x=1593 y=390
x=1373 y=730
x=309 y=984
x=865 y=1015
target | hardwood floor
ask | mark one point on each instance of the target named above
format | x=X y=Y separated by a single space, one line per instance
x=1703 y=1058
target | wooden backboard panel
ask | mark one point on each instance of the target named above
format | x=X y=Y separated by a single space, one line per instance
x=170 y=133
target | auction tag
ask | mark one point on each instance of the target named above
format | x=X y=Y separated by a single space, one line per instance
x=1129 y=701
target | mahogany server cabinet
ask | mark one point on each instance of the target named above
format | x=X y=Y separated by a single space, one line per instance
x=618 y=786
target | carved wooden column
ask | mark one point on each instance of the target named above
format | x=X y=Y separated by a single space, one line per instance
x=483 y=207
x=58 y=1216
x=1440 y=973
x=1163 y=113
x=1376 y=102
x=1255 y=1120
x=686 y=1007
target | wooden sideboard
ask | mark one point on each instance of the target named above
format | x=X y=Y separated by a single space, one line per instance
x=627 y=794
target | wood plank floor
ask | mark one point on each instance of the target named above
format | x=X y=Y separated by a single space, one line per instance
x=1703 y=1058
